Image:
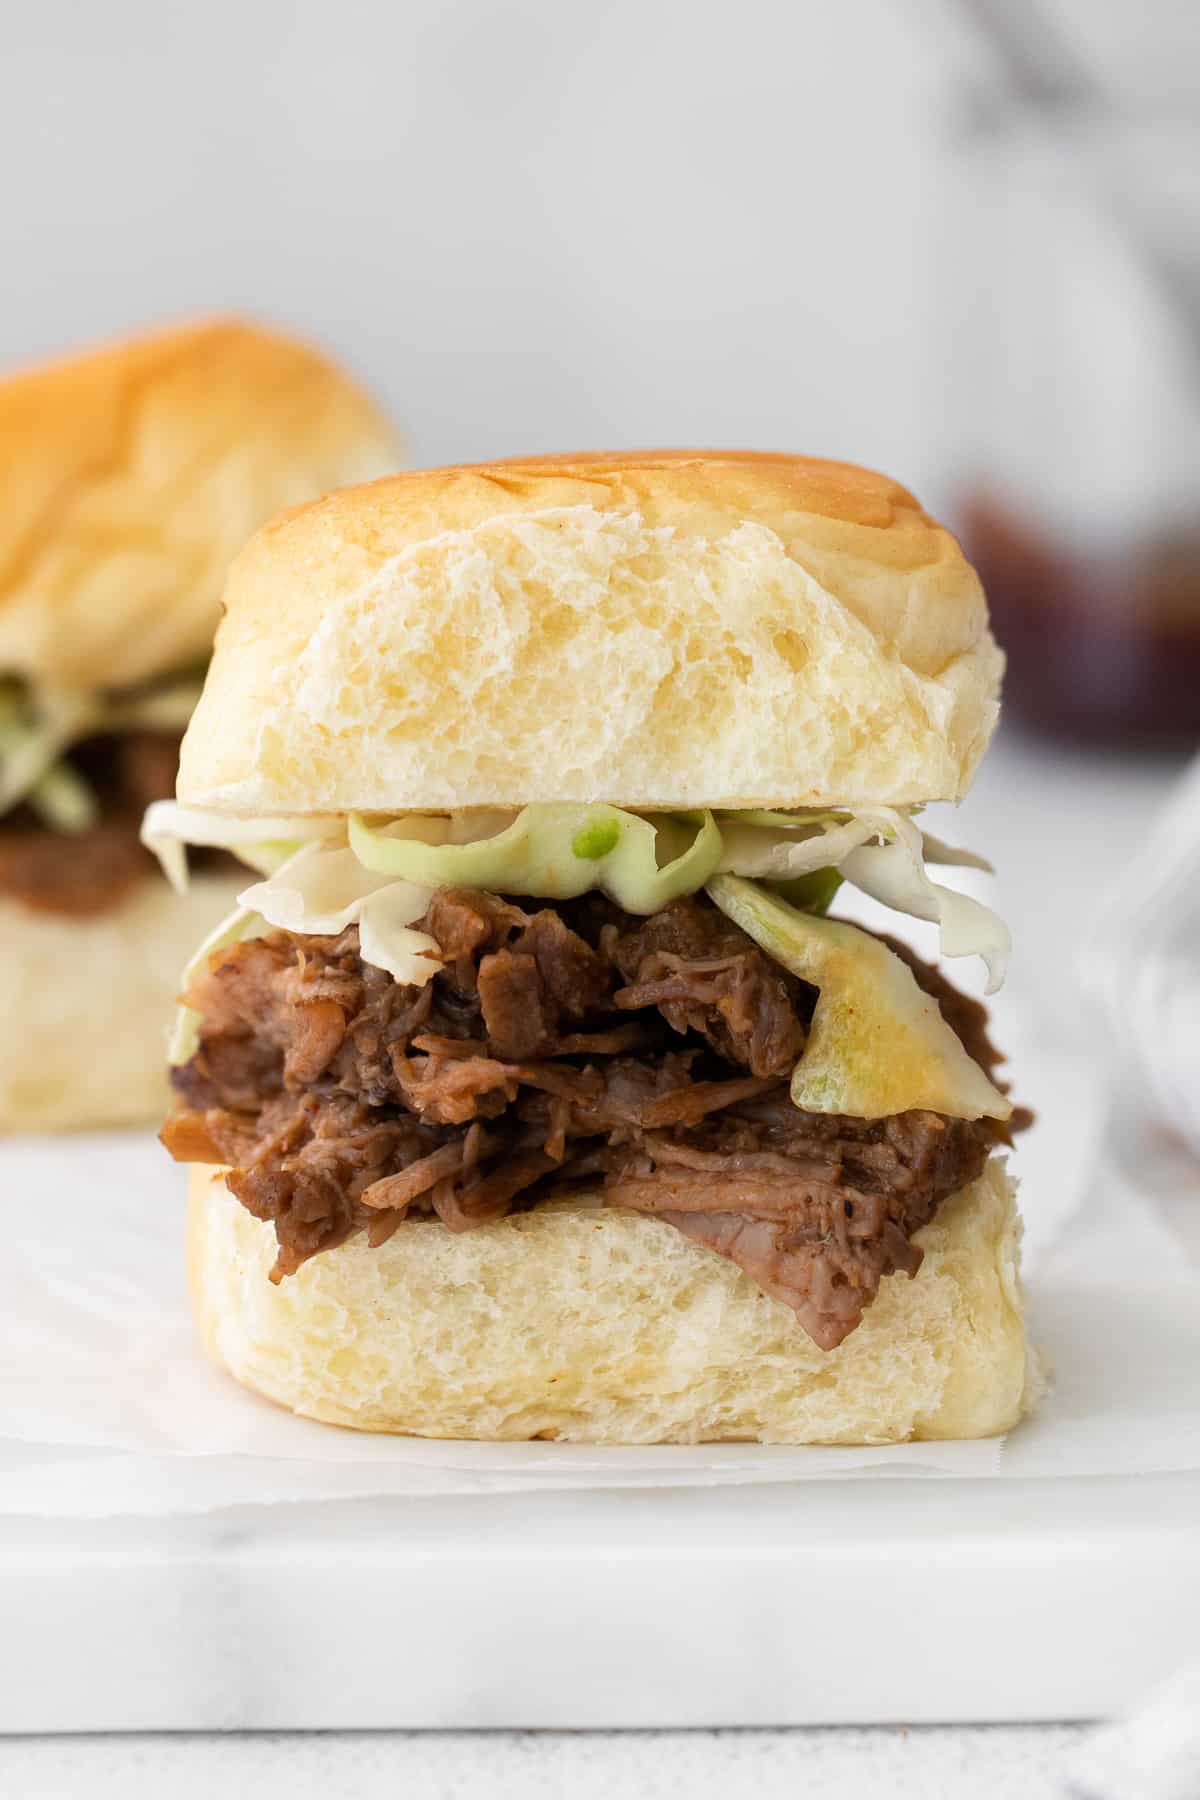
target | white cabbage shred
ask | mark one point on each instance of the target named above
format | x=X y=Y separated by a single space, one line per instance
x=893 y=872
x=264 y=843
x=881 y=851
x=321 y=890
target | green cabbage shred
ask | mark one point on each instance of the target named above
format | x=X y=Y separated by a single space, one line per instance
x=554 y=852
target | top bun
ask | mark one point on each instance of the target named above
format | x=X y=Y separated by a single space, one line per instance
x=134 y=473
x=653 y=629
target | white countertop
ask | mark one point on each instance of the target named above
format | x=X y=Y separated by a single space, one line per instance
x=985 y=1762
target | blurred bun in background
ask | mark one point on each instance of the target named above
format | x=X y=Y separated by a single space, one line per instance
x=132 y=475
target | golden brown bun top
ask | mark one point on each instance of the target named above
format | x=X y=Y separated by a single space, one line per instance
x=766 y=485
x=133 y=473
x=650 y=628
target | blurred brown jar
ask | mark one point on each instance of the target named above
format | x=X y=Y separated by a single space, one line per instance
x=1078 y=489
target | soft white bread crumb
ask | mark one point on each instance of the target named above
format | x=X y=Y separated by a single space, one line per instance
x=656 y=631
x=87 y=1004
x=607 y=1327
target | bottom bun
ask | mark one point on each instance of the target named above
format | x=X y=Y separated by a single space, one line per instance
x=606 y=1327
x=87 y=1004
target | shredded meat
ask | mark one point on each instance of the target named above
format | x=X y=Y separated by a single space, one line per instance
x=705 y=975
x=87 y=872
x=556 y=1045
x=819 y=1220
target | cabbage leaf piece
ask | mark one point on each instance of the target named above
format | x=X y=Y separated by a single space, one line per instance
x=786 y=853
x=810 y=893
x=952 y=856
x=878 y=1045
x=554 y=852
x=879 y=850
x=319 y=892
x=894 y=874
x=264 y=844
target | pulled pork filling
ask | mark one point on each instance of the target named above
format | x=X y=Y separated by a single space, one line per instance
x=82 y=873
x=647 y=1057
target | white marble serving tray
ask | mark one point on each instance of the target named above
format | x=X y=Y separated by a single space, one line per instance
x=830 y=1602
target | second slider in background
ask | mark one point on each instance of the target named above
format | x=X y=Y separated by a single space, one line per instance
x=132 y=475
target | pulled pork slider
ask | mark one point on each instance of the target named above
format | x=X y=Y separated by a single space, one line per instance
x=132 y=475
x=533 y=1088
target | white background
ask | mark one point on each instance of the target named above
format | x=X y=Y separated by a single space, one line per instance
x=535 y=225
x=532 y=225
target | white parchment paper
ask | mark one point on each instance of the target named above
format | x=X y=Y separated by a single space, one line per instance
x=107 y=1405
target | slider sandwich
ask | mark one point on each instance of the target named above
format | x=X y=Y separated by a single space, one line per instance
x=535 y=1087
x=131 y=476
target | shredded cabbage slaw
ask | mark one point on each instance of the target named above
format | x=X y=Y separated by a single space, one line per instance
x=878 y=1044
x=557 y=852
